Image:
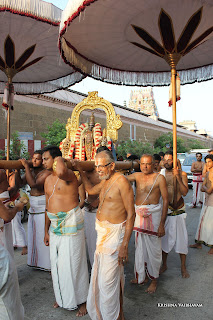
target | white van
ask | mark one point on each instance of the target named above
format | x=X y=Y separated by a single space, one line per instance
x=199 y=150
x=187 y=163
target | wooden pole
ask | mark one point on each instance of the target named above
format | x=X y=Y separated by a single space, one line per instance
x=8 y=117
x=86 y=165
x=174 y=118
x=8 y=132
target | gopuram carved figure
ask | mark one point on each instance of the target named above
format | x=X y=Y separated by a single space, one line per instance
x=83 y=140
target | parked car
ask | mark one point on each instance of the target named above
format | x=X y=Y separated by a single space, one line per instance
x=187 y=163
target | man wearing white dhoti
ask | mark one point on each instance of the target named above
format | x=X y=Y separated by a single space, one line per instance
x=205 y=170
x=196 y=169
x=114 y=224
x=6 y=230
x=19 y=234
x=66 y=236
x=38 y=254
x=90 y=210
x=18 y=231
x=11 y=307
x=175 y=227
x=204 y=234
x=90 y=231
x=149 y=222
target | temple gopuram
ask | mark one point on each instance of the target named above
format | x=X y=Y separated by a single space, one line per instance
x=143 y=100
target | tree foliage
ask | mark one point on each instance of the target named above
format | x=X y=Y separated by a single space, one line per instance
x=134 y=147
x=17 y=148
x=165 y=141
x=55 y=133
x=195 y=144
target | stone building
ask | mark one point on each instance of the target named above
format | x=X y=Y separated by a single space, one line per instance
x=143 y=100
x=189 y=125
x=32 y=114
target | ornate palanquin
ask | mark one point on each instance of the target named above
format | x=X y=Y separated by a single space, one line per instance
x=82 y=140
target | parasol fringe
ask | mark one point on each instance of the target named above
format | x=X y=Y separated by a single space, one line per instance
x=35 y=9
x=89 y=68
x=100 y=72
x=49 y=86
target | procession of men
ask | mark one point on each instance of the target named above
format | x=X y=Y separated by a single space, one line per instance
x=56 y=230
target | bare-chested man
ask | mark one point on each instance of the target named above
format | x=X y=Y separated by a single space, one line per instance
x=205 y=169
x=6 y=192
x=114 y=224
x=4 y=185
x=66 y=237
x=10 y=301
x=149 y=222
x=38 y=253
x=204 y=234
x=196 y=169
x=90 y=210
x=175 y=226
x=18 y=231
x=157 y=160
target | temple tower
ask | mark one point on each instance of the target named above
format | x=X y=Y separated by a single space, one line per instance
x=143 y=100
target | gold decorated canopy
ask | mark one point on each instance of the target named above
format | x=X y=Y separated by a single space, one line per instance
x=92 y=102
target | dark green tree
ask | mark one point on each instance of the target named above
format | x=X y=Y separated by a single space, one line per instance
x=195 y=144
x=55 y=133
x=135 y=147
x=17 y=148
x=165 y=141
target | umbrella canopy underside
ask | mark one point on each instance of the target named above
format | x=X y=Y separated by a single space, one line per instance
x=28 y=47
x=126 y=42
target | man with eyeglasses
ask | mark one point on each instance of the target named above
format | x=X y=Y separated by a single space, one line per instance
x=175 y=226
x=90 y=210
x=114 y=224
x=149 y=222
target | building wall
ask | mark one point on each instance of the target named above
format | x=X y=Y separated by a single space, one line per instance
x=33 y=115
x=30 y=117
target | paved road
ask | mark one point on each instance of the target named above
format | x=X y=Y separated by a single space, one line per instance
x=168 y=303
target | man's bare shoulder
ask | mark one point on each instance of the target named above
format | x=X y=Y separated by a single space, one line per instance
x=161 y=177
x=120 y=179
x=44 y=173
x=184 y=174
x=122 y=183
x=48 y=178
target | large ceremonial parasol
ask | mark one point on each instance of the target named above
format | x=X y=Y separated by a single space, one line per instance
x=140 y=42
x=29 y=57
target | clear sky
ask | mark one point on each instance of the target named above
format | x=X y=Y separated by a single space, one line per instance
x=196 y=99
